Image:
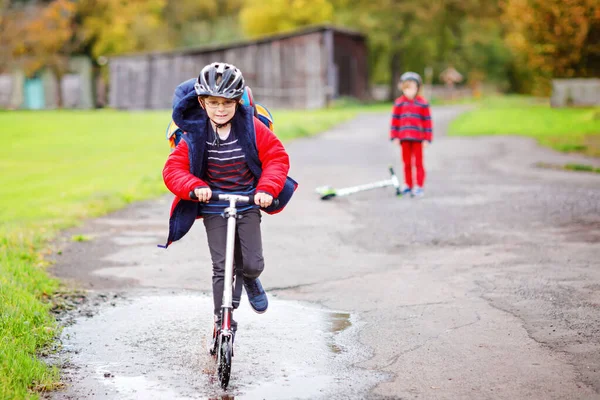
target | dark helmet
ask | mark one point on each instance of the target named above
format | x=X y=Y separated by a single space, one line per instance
x=220 y=80
x=411 y=76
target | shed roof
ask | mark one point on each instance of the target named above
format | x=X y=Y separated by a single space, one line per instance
x=244 y=43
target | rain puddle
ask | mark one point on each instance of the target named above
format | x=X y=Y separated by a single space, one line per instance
x=155 y=347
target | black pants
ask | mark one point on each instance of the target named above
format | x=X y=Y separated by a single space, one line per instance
x=248 y=263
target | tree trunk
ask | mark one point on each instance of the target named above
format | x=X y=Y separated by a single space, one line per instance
x=395 y=67
x=59 y=97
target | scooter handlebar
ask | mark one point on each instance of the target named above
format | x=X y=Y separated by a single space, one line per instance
x=215 y=197
x=240 y=200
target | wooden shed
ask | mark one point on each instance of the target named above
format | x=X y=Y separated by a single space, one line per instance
x=302 y=69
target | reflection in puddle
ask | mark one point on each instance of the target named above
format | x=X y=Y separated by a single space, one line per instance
x=339 y=322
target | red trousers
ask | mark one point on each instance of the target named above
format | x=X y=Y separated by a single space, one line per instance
x=412 y=154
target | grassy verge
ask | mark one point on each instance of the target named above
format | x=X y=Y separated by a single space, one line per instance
x=563 y=129
x=571 y=167
x=582 y=168
x=26 y=325
x=59 y=167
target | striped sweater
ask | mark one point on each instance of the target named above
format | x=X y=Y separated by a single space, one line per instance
x=227 y=171
x=411 y=120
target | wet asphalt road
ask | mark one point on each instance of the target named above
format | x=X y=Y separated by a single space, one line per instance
x=486 y=288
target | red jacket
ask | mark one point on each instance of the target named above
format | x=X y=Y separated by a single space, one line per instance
x=271 y=153
x=411 y=120
x=185 y=167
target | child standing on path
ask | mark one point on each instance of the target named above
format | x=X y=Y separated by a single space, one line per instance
x=411 y=126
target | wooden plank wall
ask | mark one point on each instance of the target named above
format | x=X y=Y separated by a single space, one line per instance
x=290 y=72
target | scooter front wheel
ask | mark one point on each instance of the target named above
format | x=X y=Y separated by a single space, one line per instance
x=224 y=361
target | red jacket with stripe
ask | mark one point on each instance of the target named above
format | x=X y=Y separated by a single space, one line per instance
x=411 y=120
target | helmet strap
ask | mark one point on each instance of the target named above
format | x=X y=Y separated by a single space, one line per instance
x=217 y=140
x=221 y=125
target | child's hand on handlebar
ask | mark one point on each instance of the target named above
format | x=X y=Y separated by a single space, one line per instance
x=203 y=194
x=263 y=199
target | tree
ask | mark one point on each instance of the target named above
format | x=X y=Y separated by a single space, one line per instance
x=50 y=50
x=389 y=25
x=11 y=29
x=273 y=16
x=111 y=27
x=25 y=33
x=193 y=22
x=37 y=36
x=554 y=38
x=411 y=35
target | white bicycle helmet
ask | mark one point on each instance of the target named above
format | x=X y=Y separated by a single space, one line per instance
x=411 y=76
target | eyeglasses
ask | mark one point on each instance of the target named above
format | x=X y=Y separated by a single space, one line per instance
x=216 y=104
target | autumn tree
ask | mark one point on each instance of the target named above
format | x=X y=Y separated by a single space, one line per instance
x=554 y=38
x=111 y=27
x=11 y=30
x=273 y=16
x=38 y=35
x=35 y=36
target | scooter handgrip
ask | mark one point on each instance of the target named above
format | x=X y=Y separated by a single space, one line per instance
x=274 y=204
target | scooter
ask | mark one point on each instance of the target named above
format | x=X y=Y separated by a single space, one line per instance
x=328 y=192
x=222 y=344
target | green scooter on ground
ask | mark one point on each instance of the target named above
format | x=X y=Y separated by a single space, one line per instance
x=328 y=192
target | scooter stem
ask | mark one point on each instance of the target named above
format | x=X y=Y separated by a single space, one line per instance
x=231 y=213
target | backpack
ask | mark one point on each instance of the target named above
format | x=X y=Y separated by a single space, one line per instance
x=260 y=112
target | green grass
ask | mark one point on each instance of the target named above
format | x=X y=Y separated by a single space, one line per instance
x=293 y=124
x=26 y=325
x=59 y=167
x=571 y=167
x=563 y=129
x=582 y=168
x=81 y=238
